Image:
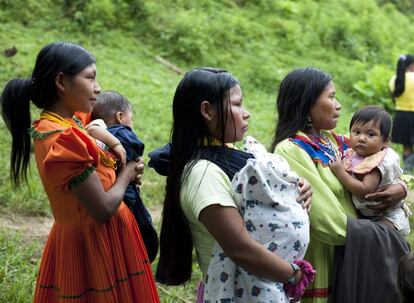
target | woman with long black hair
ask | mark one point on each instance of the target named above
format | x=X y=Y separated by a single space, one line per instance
x=94 y=252
x=199 y=206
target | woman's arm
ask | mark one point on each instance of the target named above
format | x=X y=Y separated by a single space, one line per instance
x=389 y=195
x=328 y=216
x=227 y=227
x=102 y=205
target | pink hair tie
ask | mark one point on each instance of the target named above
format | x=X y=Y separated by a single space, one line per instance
x=308 y=275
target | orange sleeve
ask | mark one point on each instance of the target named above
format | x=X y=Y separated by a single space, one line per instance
x=84 y=117
x=71 y=159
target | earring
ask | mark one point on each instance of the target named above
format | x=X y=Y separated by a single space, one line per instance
x=309 y=124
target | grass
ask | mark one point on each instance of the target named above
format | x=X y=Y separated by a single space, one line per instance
x=18 y=266
x=128 y=65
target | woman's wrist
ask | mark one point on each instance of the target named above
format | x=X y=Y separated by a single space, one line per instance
x=296 y=275
x=115 y=144
x=404 y=186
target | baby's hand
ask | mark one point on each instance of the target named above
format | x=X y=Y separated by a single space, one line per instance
x=336 y=166
x=138 y=177
x=120 y=151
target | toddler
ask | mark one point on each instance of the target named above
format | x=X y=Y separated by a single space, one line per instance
x=267 y=191
x=113 y=112
x=371 y=163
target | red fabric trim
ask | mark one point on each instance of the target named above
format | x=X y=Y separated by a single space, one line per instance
x=307 y=140
x=317 y=293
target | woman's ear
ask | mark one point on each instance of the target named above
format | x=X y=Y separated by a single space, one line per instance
x=60 y=81
x=208 y=111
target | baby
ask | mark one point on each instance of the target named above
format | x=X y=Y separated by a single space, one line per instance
x=371 y=163
x=113 y=112
x=267 y=191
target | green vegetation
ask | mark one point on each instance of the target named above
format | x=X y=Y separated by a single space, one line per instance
x=358 y=42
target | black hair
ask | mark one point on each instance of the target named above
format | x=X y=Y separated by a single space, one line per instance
x=405 y=279
x=298 y=93
x=376 y=114
x=108 y=104
x=403 y=62
x=54 y=58
x=188 y=132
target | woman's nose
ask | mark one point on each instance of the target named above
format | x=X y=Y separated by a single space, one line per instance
x=246 y=114
x=97 y=88
x=337 y=105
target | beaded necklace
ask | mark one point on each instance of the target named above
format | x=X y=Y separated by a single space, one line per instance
x=106 y=158
x=325 y=146
x=51 y=116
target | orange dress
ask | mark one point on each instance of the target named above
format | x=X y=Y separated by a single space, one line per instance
x=85 y=261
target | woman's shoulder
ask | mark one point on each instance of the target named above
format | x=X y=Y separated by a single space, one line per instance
x=205 y=174
x=43 y=128
x=287 y=143
x=205 y=184
x=58 y=142
x=202 y=167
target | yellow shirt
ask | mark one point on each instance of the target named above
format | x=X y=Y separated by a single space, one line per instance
x=405 y=102
x=205 y=185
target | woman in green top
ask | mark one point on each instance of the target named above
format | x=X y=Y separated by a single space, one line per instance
x=308 y=112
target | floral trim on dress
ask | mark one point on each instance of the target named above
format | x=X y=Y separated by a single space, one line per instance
x=82 y=177
x=78 y=122
x=41 y=135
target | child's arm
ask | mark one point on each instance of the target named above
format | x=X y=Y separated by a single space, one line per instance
x=106 y=137
x=360 y=188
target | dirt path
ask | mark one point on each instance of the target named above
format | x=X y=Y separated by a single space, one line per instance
x=31 y=227
x=38 y=227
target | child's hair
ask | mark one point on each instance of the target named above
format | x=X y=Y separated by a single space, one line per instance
x=403 y=62
x=188 y=131
x=298 y=93
x=405 y=277
x=58 y=57
x=376 y=114
x=108 y=104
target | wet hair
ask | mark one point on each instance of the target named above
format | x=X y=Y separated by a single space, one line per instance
x=405 y=278
x=188 y=132
x=108 y=104
x=40 y=88
x=403 y=62
x=298 y=93
x=376 y=114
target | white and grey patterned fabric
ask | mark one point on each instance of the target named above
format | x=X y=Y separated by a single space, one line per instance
x=267 y=189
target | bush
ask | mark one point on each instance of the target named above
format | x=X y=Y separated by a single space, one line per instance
x=374 y=89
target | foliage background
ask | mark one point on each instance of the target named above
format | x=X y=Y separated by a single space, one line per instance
x=358 y=42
